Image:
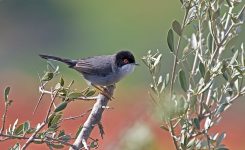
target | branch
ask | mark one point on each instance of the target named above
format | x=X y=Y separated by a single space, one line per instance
x=4 y=117
x=75 y=117
x=43 y=91
x=30 y=140
x=36 y=139
x=173 y=74
x=79 y=98
x=93 y=119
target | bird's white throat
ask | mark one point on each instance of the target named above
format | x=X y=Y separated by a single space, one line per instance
x=127 y=69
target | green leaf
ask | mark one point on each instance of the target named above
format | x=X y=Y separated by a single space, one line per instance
x=48 y=76
x=78 y=131
x=15 y=147
x=56 y=69
x=177 y=27
x=202 y=69
x=226 y=76
x=62 y=82
x=210 y=42
x=221 y=148
x=50 y=118
x=240 y=69
x=206 y=107
x=167 y=79
x=196 y=123
x=63 y=92
x=193 y=101
x=57 y=146
x=31 y=130
x=207 y=77
x=74 y=95
x=194 y=43
x=38 y=142
x=220 y=138
x=182 y=80
x=229 y=3
x=62 y=133
x=235 y=19
x=22 y=128
x=90 y=93
x=221 y=108
x=233 y=59
x=157 y=60
x=94 y=144
x=233 y=80
x=170 y=40
x=61 y=107
x=19 y=130
x=57 y=86
x=191 y=15
x=159 y=80
x=26 y=126
x=6 y=93
x=216 y=68
x=205 y=87
x=55 y=119
x=160 y=84
x=65 y=138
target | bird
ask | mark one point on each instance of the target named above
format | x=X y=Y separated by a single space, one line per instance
x=101 y=70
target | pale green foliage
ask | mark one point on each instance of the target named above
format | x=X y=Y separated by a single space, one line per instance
x=210 y=81
x=53 y=136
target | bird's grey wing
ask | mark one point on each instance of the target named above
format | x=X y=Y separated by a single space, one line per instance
x=97 y=65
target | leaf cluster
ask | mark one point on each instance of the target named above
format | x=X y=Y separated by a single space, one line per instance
x=207 y=74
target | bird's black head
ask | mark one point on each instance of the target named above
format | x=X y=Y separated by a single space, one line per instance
x=124 y=58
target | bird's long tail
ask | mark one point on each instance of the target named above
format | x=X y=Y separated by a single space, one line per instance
x=69 y=62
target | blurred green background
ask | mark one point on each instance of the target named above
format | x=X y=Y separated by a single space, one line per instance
x=80 y=28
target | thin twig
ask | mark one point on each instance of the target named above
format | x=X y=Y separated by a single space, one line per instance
x=4 y=116
x=40 y=98
x=38 y=102
x=53 y=96
x=75 y=117
x=91 y=98
x=36 y=139
x=30 y=140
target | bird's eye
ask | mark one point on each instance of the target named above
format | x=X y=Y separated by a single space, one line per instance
x=125 y=61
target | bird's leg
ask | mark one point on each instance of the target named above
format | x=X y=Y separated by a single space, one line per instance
x=103 y=91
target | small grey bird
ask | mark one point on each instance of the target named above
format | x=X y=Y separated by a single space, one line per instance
x=101 y=70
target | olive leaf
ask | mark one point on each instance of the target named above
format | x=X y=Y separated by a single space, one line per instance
x=182 y=80
x=177 y=27
x=170 y=40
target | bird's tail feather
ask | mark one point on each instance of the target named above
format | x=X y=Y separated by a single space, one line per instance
x=69 y=62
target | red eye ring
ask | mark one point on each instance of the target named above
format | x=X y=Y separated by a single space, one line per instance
x=125 y=61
